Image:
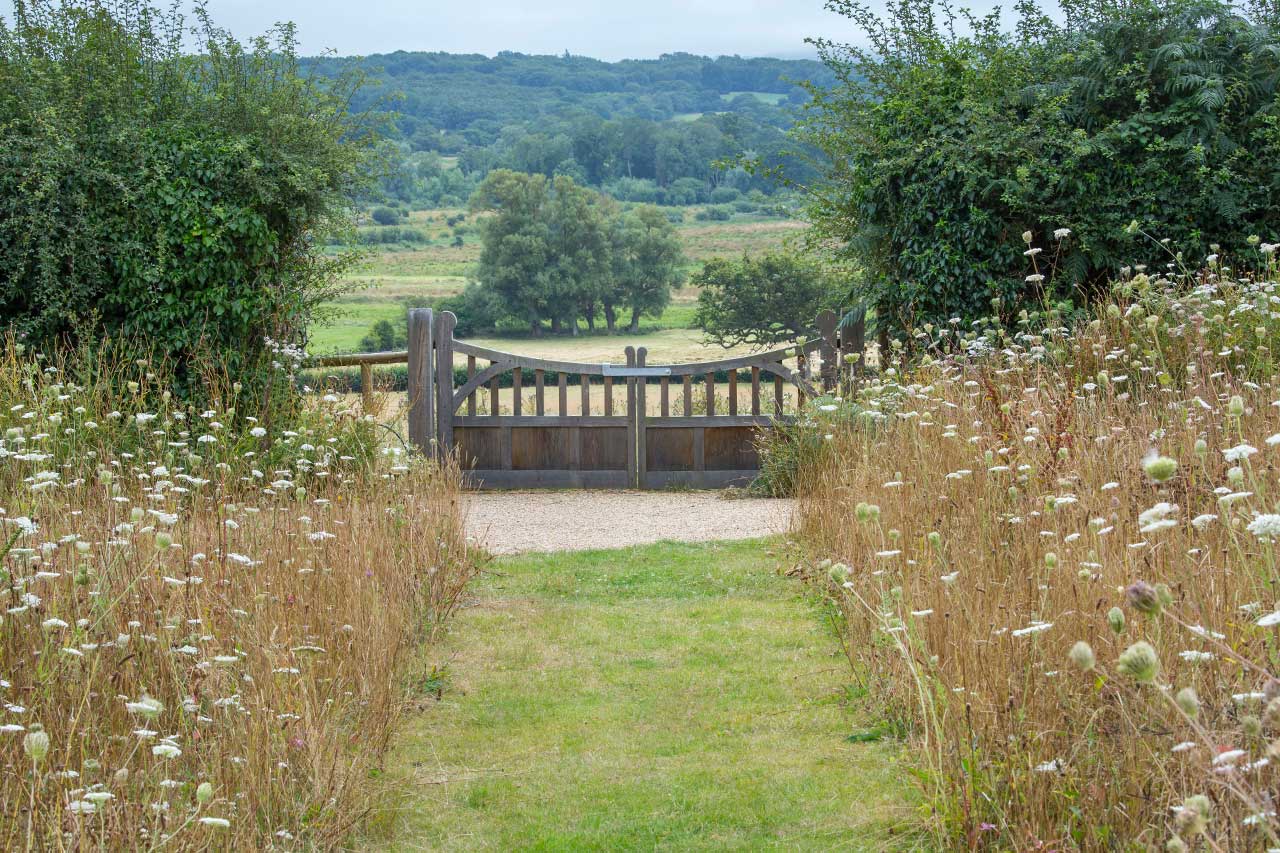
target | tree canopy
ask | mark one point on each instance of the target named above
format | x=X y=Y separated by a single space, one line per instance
x=945 y=140
x=559 y=252
x=766 y=300
x=172 y=199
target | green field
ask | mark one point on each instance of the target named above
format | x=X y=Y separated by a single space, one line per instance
x=395 y=274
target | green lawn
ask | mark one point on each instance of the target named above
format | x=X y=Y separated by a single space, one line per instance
x=673 y=696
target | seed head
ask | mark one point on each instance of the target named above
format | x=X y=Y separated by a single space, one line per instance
x=1081 y=655
x=1188 y=701
x=1115 y=619
x=1143 y=598
x=1160 y=468
x=1140 y=662
x=1236 y=407
x=36 y=744
x=204 y=793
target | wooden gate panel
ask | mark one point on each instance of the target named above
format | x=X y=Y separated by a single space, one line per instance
x=730 y=448
x=479 y=447
x=669 y=449
x=540 y=448
x=604 y=448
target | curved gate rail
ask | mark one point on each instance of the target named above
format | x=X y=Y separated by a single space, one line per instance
x=662 y=435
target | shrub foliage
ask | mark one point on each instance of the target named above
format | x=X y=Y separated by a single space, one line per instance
x=946 y=139
x=176 y=199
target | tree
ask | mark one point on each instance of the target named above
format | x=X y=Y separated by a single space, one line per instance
x=762 y=301
x=545 y=250
x=514 y=252
x=181 y=204
x=647 y=258
x=945 y=142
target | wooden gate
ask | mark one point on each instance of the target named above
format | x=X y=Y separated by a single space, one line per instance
x=627 y=425
x=522 y=422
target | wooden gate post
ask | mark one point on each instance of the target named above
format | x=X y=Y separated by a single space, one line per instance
x=826 y=325
x=445 y=323
x=642 y=462
x=853 y=340
x=421 y=386
x=631 y=421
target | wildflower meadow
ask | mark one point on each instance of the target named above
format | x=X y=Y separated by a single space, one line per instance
x=204 y=620
x=1055 y=552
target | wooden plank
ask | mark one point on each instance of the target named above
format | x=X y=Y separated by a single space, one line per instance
x=485 y=479
x=539 y=403
x=688 y=396
x=444 y=325
x=552 y=421
x=710 y=422
x=563 y=383
x=778 y=397
x=669 y=449
x=575 y=448
x=585 y=388
x=699 y=449
x=755 y=390
x=494 y=388
x=711 y=395
x=396 y=357
x=517 y=392
x=608 y=396
x=699 y=479
x=666 y=397
x=504 y=447
x=421 y=380
x=733 y=392
x=471 y=374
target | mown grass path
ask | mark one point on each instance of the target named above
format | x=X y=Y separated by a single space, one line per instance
x=672 y=696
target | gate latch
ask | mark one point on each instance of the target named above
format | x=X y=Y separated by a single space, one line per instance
x=623 y=370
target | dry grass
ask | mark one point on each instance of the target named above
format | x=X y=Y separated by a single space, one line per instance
x=215 y=653
x=984 y=514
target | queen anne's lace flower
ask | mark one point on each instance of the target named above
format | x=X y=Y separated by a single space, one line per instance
x=1266 y=526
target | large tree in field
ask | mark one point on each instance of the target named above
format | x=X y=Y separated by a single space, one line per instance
x=647 y=257
x=546 y=249
x=179 y=201
x=761 y=301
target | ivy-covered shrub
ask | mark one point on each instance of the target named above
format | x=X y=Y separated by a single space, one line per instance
x=177 y=201
x=946 y=140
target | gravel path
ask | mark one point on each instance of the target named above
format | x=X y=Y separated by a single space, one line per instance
x=515 y=522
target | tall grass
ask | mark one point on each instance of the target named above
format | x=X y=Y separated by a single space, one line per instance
x=205 y=620
x=1055 y=554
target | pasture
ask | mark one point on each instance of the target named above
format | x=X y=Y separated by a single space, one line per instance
x=393 y=275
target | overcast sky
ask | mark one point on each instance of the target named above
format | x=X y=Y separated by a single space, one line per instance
x=606 y=29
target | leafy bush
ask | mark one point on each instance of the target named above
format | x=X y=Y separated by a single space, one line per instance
x=946 y=139
x=385 y=215
x=714 y=214
x=724 y=195
x=770 y=299
x=179 y=203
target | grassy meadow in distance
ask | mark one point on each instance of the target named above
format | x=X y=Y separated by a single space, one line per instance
x=393 y=274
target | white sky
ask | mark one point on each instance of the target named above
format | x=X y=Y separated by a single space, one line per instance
x=605 y=29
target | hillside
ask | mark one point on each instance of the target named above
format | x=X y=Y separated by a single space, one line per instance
x=642 y=130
